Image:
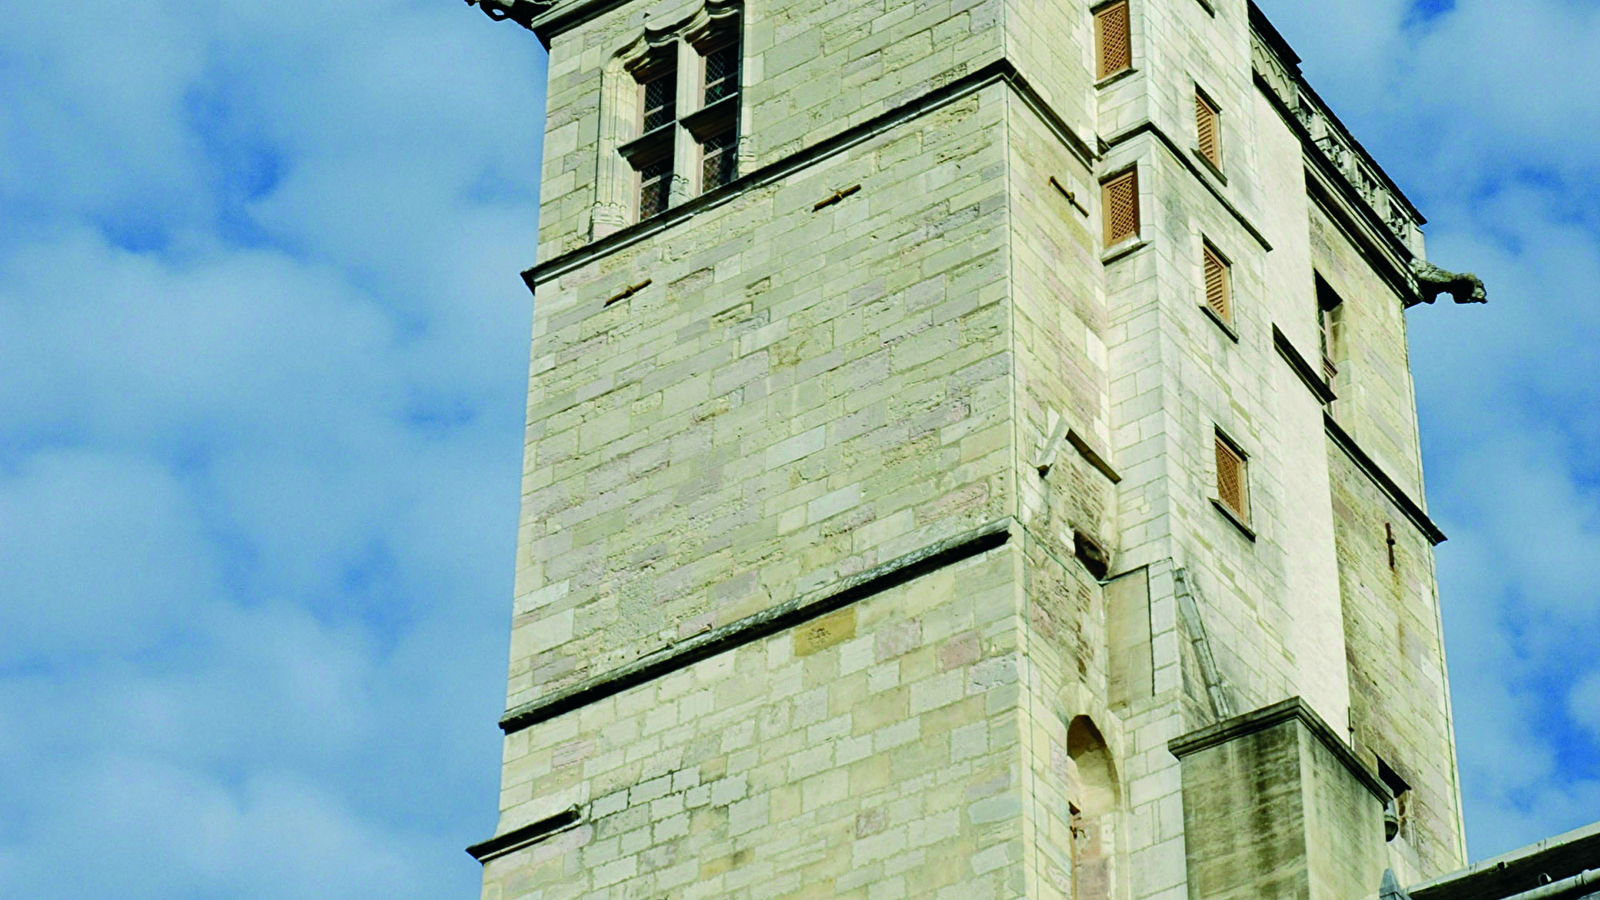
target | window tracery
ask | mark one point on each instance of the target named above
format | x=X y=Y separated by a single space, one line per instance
x=670 y=125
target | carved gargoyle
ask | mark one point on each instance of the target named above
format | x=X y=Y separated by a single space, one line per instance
x=521 y=12
x=1433 y=281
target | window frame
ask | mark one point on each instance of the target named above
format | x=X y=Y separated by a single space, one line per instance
x=1225 y=317
x=666 y=88
x=717 y=120
x=1330 y=326
x=641 y=182
x=1102 y=14
x=1227 y=446
x=1202 y=100
x=658 y=71
x=1111 y=239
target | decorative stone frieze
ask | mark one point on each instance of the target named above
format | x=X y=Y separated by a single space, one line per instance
x=1278 y=69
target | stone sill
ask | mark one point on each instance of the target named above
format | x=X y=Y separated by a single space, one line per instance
x=1115 y=77
x=1238 y=523
x=1124 y=249
x=1209 y=166
x=1226 y=328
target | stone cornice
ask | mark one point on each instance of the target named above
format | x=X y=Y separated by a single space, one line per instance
x=1292 y=709
x=782 y=617
x=545 y=18
x=1277 y=70
x=999 y=71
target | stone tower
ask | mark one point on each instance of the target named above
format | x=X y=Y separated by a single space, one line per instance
x=971 y=453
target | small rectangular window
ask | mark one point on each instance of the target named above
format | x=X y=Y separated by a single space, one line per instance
x=655 y=181
x=1232 y=487
x=1205 y=118
x=1330 y=321
x=660 y=101
x=1120 y=207
x=1113 y=43
x=1217 y=286
x=722 y=73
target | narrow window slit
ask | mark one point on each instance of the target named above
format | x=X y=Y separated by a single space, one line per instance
x=1217 y=273
x=1232 y=487
x=1208 y=133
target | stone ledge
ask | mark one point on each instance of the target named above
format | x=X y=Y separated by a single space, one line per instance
x=1172 y=148
x=517 y=838
x=996 y=72
x=1267 y=717
x=1395 y=493
x=1308 y=376
x=763 y=624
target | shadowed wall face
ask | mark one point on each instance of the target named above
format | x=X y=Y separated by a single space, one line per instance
x=1275 y=808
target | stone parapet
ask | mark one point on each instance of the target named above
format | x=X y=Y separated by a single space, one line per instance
x=1277 y=68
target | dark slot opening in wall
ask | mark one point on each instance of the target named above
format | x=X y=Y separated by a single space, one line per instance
x=1093 y=556
x=1394 y=819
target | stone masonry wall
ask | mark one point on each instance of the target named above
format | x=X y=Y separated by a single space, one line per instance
x=766 y=398
x=1177 y=378
x=1206 y=46
x=1377 y=404
x=1052 y=45
x=799 y=395
x=871 y=754
x=1399 y=695
x=811 y=70
x=1060 y=322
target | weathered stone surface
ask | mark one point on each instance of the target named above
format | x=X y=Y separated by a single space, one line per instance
x=1276 y=807
x=875 y=343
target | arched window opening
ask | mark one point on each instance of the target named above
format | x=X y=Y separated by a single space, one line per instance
x=1092 y=803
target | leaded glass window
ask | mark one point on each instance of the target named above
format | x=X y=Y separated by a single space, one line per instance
x=655 y=179
x=722 y=73
x=660 y=101
x=719 y=159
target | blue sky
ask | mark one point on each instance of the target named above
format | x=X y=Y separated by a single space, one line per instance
x=263 y=353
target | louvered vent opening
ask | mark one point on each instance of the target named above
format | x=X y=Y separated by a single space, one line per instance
x=1217 y=285
x=1205 y=117
x=1230 y=479
x=1112 y=40
x=1120 y=206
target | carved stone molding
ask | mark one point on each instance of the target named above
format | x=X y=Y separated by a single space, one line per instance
x=1278 y=70
x=703 y=24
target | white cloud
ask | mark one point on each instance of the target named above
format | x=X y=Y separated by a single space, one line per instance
x=262 y=360
x=102 y=551
x=1584 y=702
